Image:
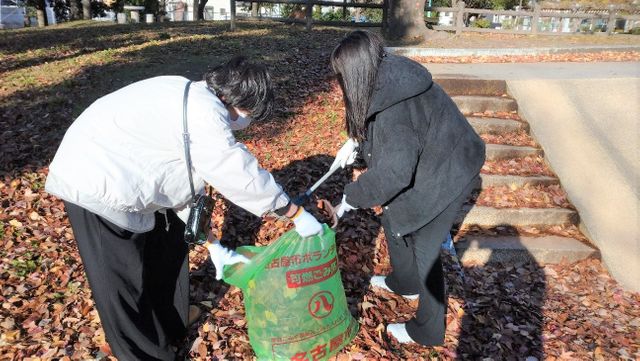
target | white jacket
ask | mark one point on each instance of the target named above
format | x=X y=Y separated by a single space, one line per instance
x=123 y=158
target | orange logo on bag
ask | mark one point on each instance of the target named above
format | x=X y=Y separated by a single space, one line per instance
x=321 y=304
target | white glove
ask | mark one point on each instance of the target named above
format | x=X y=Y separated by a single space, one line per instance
x=306 y=224
x=347 y=154
x=344 y=207
x=222 y=256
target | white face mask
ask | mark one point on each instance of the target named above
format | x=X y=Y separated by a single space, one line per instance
x=242 y=122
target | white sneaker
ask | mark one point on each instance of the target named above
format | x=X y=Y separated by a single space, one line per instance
x=399 y=331
x=379 y=281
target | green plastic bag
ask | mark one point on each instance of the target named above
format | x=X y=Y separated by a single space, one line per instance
x=295 y=304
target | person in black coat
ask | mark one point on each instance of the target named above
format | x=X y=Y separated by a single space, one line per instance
x=422 y=156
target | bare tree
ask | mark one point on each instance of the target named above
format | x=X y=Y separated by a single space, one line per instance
x=195 y=11
x=201 y=5
x=74 y=10
x=86 y=9
x=41 y=13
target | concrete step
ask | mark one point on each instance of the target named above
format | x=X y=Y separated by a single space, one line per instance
x=492 y=180
x=545 y=249
x=496 y=125
x=492 y=217
x=500 y=151
x=469 y=104
x=469 y=86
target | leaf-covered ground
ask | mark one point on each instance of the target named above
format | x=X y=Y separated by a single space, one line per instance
x=499 y=312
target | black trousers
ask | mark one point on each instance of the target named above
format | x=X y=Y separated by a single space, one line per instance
x=139 y=282
x=417 y=269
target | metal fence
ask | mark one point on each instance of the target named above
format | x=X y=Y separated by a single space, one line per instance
x=537 y=21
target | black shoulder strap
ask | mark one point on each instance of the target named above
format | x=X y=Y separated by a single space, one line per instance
x=185 y=137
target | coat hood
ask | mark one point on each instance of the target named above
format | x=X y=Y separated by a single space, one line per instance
x=399 y=78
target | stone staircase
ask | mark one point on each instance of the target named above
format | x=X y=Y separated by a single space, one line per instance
x=503 y=234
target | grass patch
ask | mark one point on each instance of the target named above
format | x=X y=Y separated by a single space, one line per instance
x=26 y=265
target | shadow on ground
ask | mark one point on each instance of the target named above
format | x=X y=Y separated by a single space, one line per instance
x=502 y=315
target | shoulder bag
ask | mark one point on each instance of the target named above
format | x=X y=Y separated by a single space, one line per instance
x=196 y=230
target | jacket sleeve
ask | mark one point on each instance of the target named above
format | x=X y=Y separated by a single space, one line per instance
x=397 y=148
x=234 y=172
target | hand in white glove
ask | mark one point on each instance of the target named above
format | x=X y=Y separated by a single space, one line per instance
x=222 y=256
x=347 y=154
x=306 y=224
x=343 y=207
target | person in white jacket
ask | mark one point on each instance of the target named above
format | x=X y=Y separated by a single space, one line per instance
x=122 y=175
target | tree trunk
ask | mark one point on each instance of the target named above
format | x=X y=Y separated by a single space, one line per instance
x=163 y=6
x=42 y=18
x=254 y=10
x=406 y=21
x=195 y=10
x=179 y=11
x=201 y=6
x=74 y=10
x=86 y=9
x=41 y=13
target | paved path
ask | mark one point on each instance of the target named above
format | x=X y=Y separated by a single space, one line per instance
x=586 y=116
x=506 y=51
x=526 y=71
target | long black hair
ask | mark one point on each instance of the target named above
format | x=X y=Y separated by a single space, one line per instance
x=355 y=61
x=243 y=85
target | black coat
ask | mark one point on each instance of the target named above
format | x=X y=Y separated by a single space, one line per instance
x=420 y=151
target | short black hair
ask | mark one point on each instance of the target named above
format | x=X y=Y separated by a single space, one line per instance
x=243 y=85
